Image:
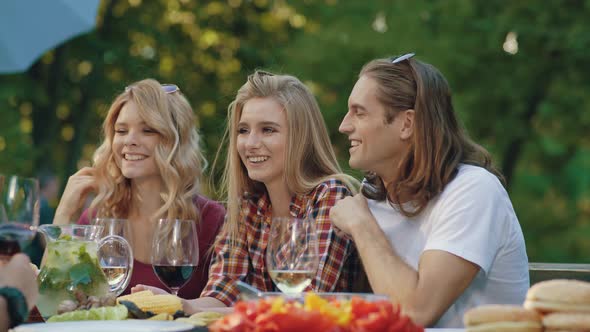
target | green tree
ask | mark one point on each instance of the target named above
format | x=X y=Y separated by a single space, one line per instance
x=517 y=73
x=207 y=48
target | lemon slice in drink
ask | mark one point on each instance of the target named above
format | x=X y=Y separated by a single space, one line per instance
x=118 y=312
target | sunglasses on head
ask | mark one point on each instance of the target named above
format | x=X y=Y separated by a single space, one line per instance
x=167 y=88
x=261 y=73
x=401 y=58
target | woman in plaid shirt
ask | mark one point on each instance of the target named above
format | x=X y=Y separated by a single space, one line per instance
x=280 y=163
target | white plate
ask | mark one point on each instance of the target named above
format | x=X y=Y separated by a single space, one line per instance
x=444 y=330
x=106 y=325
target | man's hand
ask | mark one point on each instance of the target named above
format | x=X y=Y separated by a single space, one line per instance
x=350 y=213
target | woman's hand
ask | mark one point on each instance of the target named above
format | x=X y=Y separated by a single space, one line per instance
x=155 y=290
x=78 y=187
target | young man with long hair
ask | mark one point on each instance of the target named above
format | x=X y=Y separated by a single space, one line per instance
x=434 y=227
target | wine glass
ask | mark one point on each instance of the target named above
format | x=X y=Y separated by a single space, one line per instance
x=175 y=252
x=19 y=213
x=292 y=253
x=116 y=256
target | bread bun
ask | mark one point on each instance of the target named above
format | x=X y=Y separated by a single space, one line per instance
x=502 y=318
x=561 y=321
x=559 y=295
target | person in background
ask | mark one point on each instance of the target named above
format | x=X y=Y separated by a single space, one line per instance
x=149 y=166
x=280 y=163
x=434 y=227
x=18 y=291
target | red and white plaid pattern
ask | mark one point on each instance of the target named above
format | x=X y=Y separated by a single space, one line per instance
x=245 y=260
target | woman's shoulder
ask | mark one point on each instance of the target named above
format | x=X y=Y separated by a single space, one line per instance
x=331 y=186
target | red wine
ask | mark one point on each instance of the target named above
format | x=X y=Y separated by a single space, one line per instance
x=174 y=276
x=14 y=237
x=8 y=247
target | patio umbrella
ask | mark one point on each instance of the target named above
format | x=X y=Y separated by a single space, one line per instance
x=29 y=28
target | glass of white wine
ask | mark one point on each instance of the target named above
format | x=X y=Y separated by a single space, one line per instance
x=116 y=258
x=292 y=254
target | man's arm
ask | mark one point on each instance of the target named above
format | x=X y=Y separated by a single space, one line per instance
x=424 y=294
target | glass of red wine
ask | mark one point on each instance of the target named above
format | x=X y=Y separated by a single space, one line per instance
x=175 y=252
x=19 y=213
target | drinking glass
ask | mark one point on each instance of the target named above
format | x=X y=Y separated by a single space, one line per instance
x=292 y=253
x=175 y=253
x=116 y=256
x=19 y=213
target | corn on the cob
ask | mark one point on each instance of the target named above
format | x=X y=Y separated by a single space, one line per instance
x=158 y=303
x=207 y=317
x=162 y=316
x=133 y=296
x=195 y=322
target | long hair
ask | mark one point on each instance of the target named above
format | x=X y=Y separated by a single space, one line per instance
x=439 y=142
x=178 y=156
x=310 y=159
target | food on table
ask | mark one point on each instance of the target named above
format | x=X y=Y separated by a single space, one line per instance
x=202 y=318
x=566 y=321
x=147 y=305
x=81 y=301
x=492 y=318
x=71 y=268
x=151 y=304
x=558 y=305
x=315 y=314
x=564 y=304
x=162 y=316
x=118 y=312
x=559 y=295
x=132 y=296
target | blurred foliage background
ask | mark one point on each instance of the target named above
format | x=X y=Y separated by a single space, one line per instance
x=519 y=73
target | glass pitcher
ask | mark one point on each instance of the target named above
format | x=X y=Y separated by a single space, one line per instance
x=71 y=265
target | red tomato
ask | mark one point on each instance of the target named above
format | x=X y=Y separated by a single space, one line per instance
x=234 y=322
x=296 y=320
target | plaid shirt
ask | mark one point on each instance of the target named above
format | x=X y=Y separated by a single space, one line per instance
x=246 y=260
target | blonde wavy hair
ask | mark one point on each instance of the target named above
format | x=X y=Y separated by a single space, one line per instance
x=310 y=159
x=178 y=156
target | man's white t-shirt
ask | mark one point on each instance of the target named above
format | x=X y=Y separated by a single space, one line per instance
x=472 y=218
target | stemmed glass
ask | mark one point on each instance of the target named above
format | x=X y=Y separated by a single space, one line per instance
x=19 y=213
x=116 y=255
x=292 y=254
x=175 y=253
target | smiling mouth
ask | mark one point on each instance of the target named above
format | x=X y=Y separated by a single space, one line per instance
x=256 y=160
x=354 y=143
x=133 y=157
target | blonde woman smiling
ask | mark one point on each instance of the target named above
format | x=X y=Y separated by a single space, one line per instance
x=280 y=163
x=149 y=166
